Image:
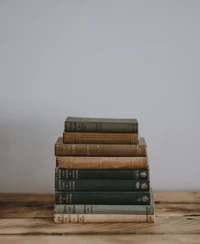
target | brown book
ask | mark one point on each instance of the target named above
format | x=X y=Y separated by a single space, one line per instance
x=106 y=150
x=104 y=218
x=100 y=138
x=102 y=162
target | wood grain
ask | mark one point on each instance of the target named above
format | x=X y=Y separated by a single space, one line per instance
x=46 y=226
x=177 y=221
x=105 y=239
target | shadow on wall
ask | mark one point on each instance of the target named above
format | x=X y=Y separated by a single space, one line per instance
x=27 y=156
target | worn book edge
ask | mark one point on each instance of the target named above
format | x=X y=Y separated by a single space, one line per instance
x=103 y=218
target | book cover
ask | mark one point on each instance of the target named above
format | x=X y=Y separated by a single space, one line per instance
x=75 y=174
x=110 y=125
x=103 y=198
x=103 y=218
x=102 y=162
x=101 y=185
x=106 y=209
x=106 y=150
x=100 y=138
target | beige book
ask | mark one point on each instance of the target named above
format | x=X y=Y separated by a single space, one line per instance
x=103 y=218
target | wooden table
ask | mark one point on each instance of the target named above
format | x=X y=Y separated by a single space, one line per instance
x=28 y=218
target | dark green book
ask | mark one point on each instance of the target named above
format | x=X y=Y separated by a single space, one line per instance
x=105 y=209
x=75 y=174
x=101 y=185
x=111 y=125
x=103 y=198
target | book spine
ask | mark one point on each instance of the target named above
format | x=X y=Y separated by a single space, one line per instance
x=103 y=198
x=100 y=138
x=101 y=185
x=93 y=126
x=102 y=162
x=100 y=150
x=75 y=174
x=102 y=209
x=103 y=218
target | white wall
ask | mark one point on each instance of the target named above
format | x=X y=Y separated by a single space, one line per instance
x=102 y=59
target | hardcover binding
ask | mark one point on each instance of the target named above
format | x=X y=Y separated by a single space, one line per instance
x=103 y=198
x=75 y=174
x=100 y=138
x=80 y=124
x=101 y=185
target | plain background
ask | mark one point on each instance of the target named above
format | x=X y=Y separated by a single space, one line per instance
x=104 y=58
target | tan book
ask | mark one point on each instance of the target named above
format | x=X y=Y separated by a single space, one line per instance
x=106 y=150
x=104 y=218
x=102 y=162
x=100 y=138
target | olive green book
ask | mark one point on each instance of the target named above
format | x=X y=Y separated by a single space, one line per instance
x=109 y=125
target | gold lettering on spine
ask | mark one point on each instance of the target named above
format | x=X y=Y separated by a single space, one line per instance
x=77 y=174
x=73 y=184
x=67 y=176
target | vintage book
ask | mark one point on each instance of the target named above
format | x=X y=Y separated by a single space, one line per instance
x=102 y=162
x=103 y=218
x=106 y=209
x=103 y=198
x=106 y=150
x=75 y=174
x=101 y=185
x=99 y=138
x=110 y=125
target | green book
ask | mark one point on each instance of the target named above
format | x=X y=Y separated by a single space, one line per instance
x=103 y=197
x=101 y=185
x=105 y=209
x=76 y=174
x=109 y=125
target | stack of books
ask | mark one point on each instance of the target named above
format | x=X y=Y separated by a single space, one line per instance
x=102 y=173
